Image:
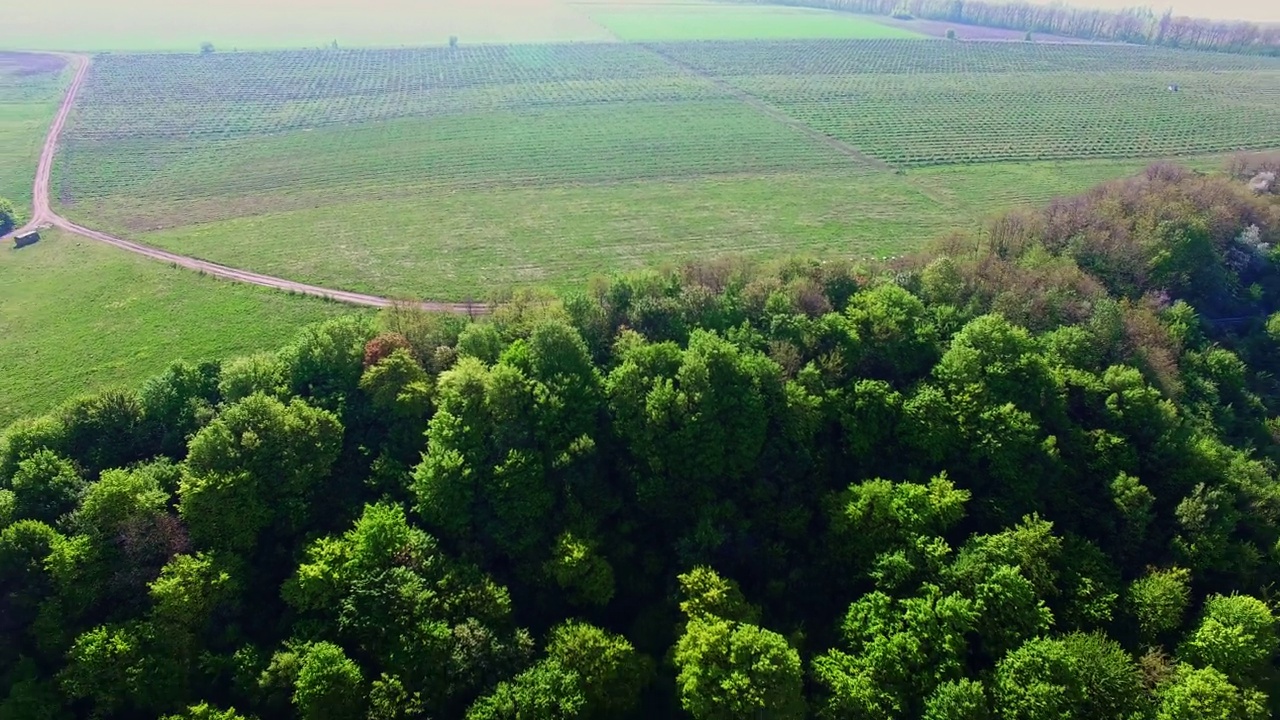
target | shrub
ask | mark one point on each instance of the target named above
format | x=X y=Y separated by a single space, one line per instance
x=8 y=217
x=951 y=34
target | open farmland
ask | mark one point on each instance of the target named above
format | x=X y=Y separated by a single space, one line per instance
x=985 y=102
x=441 y=173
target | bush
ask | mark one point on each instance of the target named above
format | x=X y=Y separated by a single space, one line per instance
x=951 y=34
x=8 y=217
x=206 y=48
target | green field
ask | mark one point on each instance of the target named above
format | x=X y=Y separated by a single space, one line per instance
x=444 y=174
x=77 y=316
x=30 y=89
x=994 y=102
x=736 y=22
x=464 y=243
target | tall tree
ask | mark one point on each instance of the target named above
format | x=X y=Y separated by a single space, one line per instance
x=45 y=487
x=610 y=672
x=256 y=467
x=1083 y=676
x=1237 y=636
x=384 y=588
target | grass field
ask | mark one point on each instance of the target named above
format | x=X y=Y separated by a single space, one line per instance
x=736 y=22
x=30 y=88
x=462 y=244
x=77 y=316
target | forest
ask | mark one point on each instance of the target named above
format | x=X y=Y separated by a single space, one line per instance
x=1027 y=474
x=1132 y=25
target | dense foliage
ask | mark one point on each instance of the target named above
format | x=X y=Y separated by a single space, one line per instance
x=1029 y=475
x=8 y=217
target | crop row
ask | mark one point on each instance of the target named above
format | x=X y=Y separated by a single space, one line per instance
x=264 y=115
x=318 y=74
x=935 y=119
x=593 y=144
x=897 y=57
x=1032 y=90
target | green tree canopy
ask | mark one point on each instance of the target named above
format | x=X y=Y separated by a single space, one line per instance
x=610 y=672
x=255 y=467
x=1236 y=635
x=1206 y=694
x=1083 y=676
x=45 y=487
x=1158 y=601
x=733 y=670
x=329 y=685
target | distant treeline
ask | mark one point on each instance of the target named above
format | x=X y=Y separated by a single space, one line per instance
x=1132 y=25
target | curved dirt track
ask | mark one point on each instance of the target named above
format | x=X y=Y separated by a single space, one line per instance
x=43 y=215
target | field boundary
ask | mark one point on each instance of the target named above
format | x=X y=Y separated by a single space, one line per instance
x=43 y=215
x=772 y=112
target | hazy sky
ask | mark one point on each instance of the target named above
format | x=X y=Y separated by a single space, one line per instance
x=1255 y=10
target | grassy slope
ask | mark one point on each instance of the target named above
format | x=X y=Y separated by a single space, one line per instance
x=77 y=316
x=730 y=22
x=461 y=244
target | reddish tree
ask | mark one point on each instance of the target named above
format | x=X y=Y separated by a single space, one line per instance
x=382 y=346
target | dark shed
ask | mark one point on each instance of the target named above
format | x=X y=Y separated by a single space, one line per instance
x=25 y=239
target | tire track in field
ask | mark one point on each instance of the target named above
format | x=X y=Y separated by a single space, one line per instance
x=42 y=215
x=772 y=112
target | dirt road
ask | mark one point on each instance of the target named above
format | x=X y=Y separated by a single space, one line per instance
x=43 y=215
